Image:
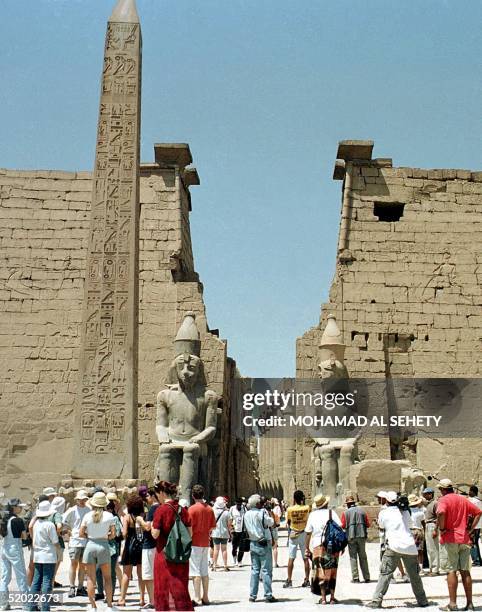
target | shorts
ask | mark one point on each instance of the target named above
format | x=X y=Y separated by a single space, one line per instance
x=455 y=557
x=274 y=534
x=76 y=553
x=220 y=541
x=323 y=559
x=418 y=537
x=97 y=551
x=148 y=555
x=198 y=562
x=294 y=543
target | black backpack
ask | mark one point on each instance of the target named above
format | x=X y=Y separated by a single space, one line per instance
x=5 y=516
x=135 y=543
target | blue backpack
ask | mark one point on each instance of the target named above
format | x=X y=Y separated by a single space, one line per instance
x=334 y=538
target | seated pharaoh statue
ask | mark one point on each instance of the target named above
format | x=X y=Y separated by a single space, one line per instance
x=186 y=413
x=332 y=457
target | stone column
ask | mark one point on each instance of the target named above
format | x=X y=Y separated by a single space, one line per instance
x=105 y=444
x=289 y=467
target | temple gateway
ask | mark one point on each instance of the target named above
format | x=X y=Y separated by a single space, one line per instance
x=112 y=374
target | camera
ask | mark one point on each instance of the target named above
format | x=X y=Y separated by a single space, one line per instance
x=402 y=503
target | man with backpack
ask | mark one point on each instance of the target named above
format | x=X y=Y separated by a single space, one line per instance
x=328 y=540
x=399 y=545
x=355 y=523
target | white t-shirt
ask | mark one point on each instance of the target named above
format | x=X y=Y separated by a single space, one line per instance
x=73 y=519
x=100 y=530
x=397 y=530
x=44 y=540
x=236 y=517
x=417 y=515
x=477 y=502
x=316 y=524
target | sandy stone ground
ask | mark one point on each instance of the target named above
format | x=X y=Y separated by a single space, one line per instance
x=230 y=590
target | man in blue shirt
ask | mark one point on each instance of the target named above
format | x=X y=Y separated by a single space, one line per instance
x=258 y=522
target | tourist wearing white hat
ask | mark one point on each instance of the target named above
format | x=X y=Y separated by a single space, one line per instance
x=72 y=519
x=98 y=527
x=49 y=492
x=13 y=531
x=400 y=545
x=58 y=507
x=45 y=540
x=456 y=516
x=381 y=533
x=220 y=533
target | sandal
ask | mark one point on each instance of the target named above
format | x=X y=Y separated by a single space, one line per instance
x=448 y=607
x=322 y=601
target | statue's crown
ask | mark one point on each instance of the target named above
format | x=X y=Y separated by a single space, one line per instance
x=332 y=340
x=187 y=339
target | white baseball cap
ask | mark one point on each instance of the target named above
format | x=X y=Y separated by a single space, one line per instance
x=382 y=494
x=391 y=496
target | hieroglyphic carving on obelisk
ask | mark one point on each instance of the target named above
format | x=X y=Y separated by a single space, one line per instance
x=105 y=438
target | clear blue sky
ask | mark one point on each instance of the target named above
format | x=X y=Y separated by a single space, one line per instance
x=262 y=90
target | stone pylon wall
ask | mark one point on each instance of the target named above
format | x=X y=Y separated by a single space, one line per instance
x=407 y=294
x=44 y=232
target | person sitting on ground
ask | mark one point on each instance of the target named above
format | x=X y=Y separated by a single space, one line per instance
x=355 y=523
x=456 y=516
x=296 y=519
x=399 y=544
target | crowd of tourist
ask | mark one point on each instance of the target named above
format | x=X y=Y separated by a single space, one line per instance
x=168 y=541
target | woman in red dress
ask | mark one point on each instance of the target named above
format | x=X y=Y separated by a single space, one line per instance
x=171 y=580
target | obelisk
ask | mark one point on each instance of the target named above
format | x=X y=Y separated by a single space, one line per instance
x=105 y=440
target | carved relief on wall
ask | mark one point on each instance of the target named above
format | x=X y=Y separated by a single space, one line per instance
x=108 y=322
